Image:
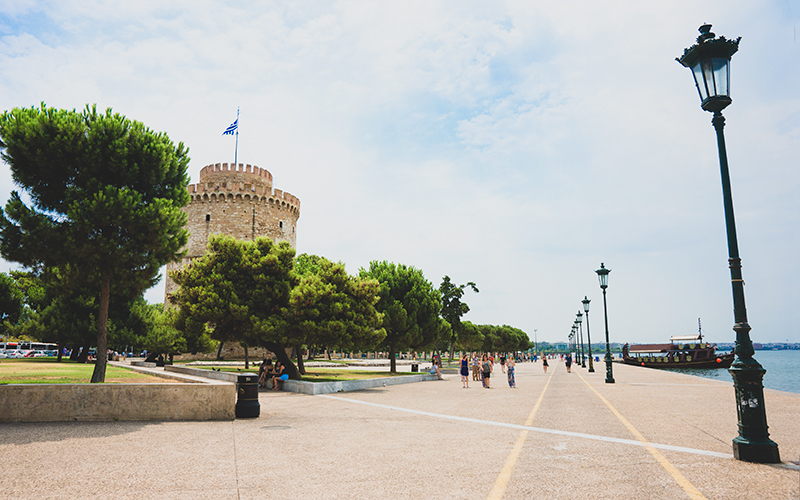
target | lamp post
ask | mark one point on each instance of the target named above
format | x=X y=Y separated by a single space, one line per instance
x=709 y=59
x=602 y=276
x=585 y=303
x=571 y=340
x=577 y=359
x=580 y=328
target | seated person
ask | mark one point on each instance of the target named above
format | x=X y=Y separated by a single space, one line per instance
x=436 y=369
x=278 y=375
x=264 y=372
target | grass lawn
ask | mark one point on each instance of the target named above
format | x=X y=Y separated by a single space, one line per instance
x=318 y=374
x=48 y=371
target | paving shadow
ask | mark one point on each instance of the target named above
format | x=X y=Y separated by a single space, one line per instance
x=23 y=433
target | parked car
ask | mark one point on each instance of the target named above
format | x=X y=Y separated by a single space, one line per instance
x=3 y=355
x=16 y=354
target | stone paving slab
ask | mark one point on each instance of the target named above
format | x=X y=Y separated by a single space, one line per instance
x=433 y=439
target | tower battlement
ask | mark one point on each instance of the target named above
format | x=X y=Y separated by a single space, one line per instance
x=242 y=169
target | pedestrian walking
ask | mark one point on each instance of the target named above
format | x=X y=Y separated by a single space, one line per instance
x=568 y=363
x=487 y=370
x=476 y=367
x=465 y=371
x=503 y=363
x=510 y=366
x=544 y=362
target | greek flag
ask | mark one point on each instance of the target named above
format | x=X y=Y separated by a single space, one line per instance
x=232 y=128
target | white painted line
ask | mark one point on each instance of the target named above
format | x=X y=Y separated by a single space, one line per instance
x=608 y=439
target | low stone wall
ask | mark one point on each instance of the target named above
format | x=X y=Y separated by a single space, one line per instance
x=199 y=372
x=112 y=402
x=314 y=388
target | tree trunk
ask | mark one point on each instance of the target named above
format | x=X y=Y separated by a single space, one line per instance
x=60 y=351
x=84 y=355
x=246 y=358
x=392 y=362
x=219 y=350
x=280 y=353
x=453 y=337
x=298 y=350
x=99 y=373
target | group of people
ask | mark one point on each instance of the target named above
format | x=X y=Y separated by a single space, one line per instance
x=482 y=368
x=274 y=373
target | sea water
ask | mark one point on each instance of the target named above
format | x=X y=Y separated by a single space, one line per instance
x=782 y=370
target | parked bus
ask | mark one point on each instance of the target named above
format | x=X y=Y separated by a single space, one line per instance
x=37 y=346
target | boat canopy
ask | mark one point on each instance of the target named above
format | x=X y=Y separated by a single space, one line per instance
x=686 y=338
x=642 y=348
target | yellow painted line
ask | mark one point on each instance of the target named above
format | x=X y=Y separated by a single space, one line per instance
x=505 y=473
x=684 y=483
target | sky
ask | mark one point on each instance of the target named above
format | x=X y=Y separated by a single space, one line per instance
x=517 y=145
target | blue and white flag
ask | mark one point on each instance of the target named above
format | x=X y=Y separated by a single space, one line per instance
x=232 y=128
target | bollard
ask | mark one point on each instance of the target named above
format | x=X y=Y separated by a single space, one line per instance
x=247 y=405
x=414 y=367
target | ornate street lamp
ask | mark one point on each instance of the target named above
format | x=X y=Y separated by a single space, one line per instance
x=569 y=345
x=580 y=328
x=585 y=303
x=578 y=347
x=602 y=276
x=709 y=60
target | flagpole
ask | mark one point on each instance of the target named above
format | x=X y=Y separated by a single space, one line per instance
x=236 y=151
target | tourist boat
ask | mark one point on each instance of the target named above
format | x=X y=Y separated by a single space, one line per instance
x=683 y=351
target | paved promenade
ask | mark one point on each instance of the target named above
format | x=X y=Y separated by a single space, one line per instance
x=652 y=435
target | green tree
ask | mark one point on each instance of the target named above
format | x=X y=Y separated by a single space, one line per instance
x=11 y=301
x=58 y=309
x=504 y=338
x=470 y=338
x=410 y=305
x=239 y=291
x=453 y=308
x=106 y=194
x=330 y=308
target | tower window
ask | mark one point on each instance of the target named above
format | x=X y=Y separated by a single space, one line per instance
x=208 y=217
x=281 y=224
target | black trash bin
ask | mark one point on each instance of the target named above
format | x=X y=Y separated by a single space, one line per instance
x=414 y=367
x=247 y=405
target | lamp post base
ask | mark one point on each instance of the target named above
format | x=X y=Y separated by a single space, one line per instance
x=765 y=452
x=609 y=370
x=753 y=443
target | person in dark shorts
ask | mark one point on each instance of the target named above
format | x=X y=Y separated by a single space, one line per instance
x=544 y=362
x=486 y=368
x=568 y=363
x=465 y=371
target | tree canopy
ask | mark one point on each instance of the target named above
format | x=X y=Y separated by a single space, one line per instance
x=453 y=308
x=330 y=308
x=237 y=291
x=11 y=301
x=105 y=194
x=410 y=306
x=504 y=338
